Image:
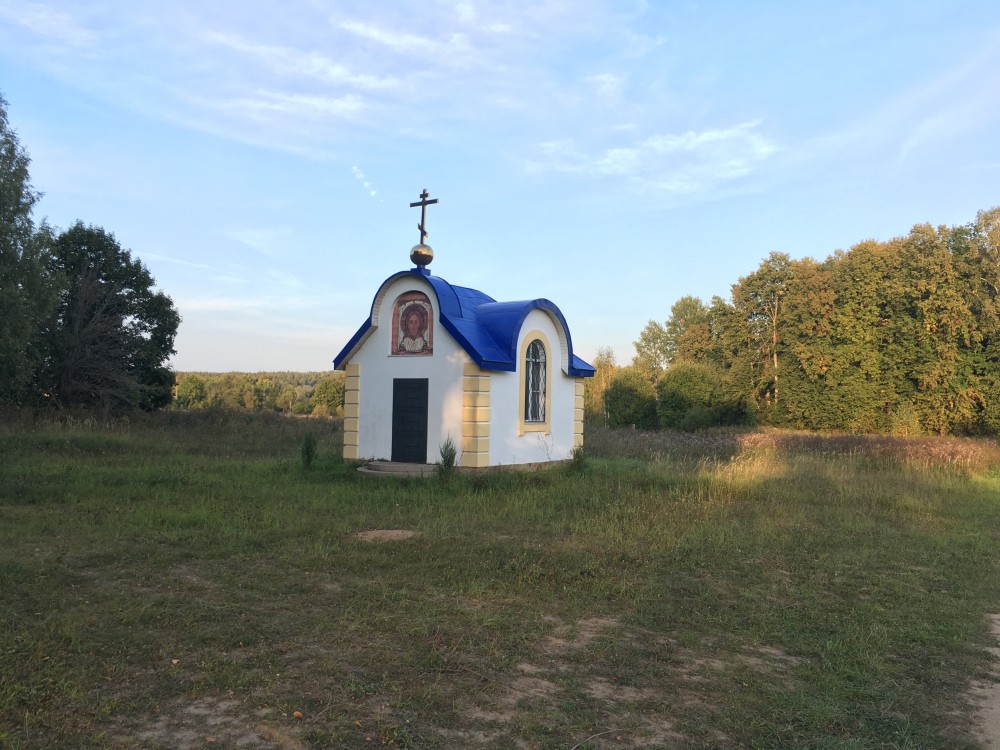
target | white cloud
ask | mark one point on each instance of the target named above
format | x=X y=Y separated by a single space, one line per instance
x=360 y=177
x=52 y=23
x=466 y=12
x=958 y=102
x=606 y=84
x=395 y=40
x=263 y=103
x=303 y=64
x=168 y=259
x=452 y=50
x=266 y=241
x=684 y=163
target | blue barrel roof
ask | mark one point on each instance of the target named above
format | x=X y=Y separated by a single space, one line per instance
x=485 y=328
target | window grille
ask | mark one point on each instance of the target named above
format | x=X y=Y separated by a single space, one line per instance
x=534 y=390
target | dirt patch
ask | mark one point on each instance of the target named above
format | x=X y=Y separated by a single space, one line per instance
x=985 y=696
x=386 y=535
x=574 y=637
x=208 y=722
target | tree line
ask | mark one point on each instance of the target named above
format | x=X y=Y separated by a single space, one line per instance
x=81 y=323
x=899 y=337
x=296 y=393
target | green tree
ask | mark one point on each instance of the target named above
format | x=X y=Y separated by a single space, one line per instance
x=757 y=302
x=112 y=332
x=975 y=251
x=26 y=296
x=594 y=408
x=808 y=347
x=688 y=395
x=328 y=395
x=286 y=398
x=689 y=334
x=651 y=351
x=191 y=392
x=631 y=400
x=940 y=329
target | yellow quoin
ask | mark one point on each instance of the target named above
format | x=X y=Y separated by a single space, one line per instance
x=578 y=413
x=352 y=411
x=475 y=416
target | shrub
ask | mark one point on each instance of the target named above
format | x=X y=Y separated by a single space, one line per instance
x=631 y=401
x=448 y=455
x=687 y=394
x=308 y=450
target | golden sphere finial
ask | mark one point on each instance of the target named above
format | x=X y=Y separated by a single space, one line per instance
x=421 y=255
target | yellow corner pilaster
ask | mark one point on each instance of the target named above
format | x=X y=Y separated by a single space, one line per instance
x=475 y=399
x=352 y=411
x=475 y=460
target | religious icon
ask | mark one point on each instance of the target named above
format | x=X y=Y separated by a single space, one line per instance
x=412 y=319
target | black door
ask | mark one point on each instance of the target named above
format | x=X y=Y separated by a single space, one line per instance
x=409 y=420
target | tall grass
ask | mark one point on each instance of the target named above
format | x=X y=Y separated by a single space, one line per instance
x=178 y=577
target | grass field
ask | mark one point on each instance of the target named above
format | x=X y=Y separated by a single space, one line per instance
x=181 y=581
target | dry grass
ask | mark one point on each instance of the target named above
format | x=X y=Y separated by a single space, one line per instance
x=179 y=581
x=962 y=454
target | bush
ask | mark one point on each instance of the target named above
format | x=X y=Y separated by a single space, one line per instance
x=577 y=461
x=687 y=396
x=631 y=401
x=308 y=450
x=448 y=455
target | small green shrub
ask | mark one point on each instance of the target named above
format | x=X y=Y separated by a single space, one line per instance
x=697 y=417
x=631 y=400
x=308 y=450
x=448 y=455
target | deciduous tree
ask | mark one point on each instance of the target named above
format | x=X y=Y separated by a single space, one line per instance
x=112 y=332
x=26 y=297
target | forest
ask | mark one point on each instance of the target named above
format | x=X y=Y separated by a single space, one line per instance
x=899 y=337
x=296 y=393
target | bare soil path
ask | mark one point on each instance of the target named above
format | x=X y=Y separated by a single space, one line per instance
x=986 y=694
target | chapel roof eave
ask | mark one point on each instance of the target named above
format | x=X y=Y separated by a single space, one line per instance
x=486 y=329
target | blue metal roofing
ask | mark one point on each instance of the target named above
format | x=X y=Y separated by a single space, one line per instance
x=485 y=328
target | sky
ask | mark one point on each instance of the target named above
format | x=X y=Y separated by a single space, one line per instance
x=611 y=156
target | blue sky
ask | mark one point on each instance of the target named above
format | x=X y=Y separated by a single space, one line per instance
x=610 y=156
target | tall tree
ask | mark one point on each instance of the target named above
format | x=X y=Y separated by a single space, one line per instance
x=328 y=395
x=652 y=351
x=25 y=293
x=808 y=305
x=605 y=368
x=757 y=301
x=975 y=250
x=112 y=332
x=689 y=334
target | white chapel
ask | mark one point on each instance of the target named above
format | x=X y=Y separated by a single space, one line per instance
x=435 y=361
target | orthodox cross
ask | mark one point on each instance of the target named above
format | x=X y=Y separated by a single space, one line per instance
x=423 y=203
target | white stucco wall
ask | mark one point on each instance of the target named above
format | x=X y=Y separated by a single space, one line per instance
x=443 y=370
x=506 y=445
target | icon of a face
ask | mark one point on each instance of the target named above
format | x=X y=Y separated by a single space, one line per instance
x=413 y=324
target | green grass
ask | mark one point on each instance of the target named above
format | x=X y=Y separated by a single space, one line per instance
x=181 y=581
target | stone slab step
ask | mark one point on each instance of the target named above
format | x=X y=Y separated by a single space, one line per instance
x=395 y=468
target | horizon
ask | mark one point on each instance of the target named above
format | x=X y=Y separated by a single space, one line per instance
x=610 y=157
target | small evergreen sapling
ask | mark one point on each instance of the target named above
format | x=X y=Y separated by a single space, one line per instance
x=448 y=455
x=308 y=450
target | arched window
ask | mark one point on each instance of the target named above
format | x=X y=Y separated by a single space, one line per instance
x=534 y=382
